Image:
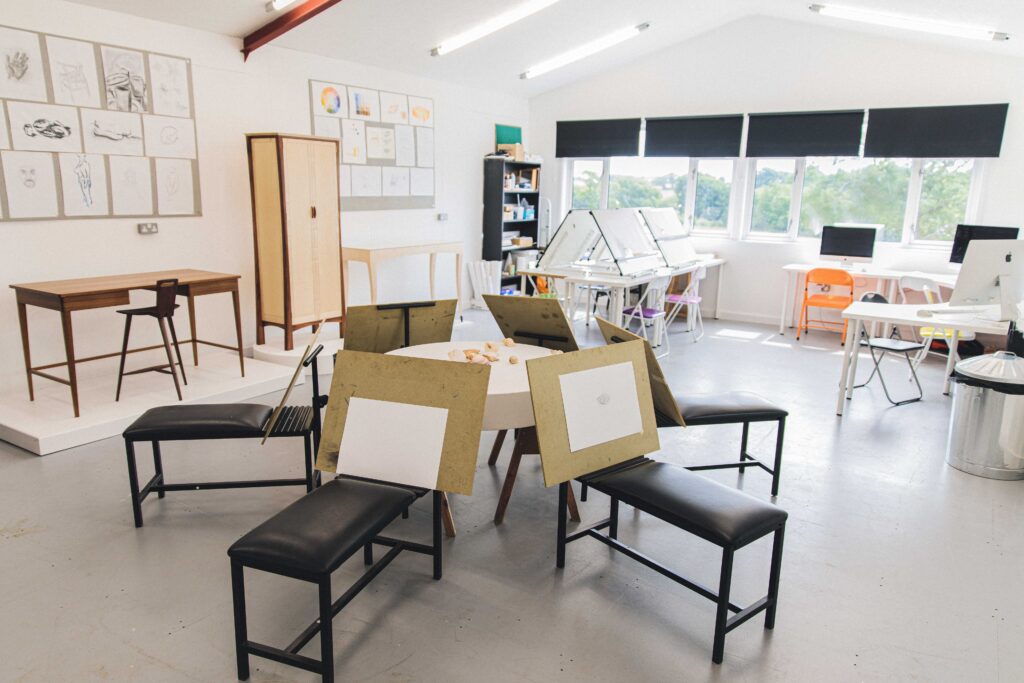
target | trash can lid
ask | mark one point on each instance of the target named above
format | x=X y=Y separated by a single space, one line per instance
x=1002 y=367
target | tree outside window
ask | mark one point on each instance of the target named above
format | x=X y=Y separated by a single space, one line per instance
x=853 y=190
x=945 y=185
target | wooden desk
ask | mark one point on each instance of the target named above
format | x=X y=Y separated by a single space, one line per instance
x=372 y=256
x=65 y=296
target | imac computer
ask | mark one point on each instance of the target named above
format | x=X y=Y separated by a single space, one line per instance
x=965 y=234
x=847 y=244
x=992 y=275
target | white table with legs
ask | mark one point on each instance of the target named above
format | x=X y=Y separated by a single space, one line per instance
x=861 y=313
x=372 y=256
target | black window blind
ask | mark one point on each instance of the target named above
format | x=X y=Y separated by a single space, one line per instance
x=598 y=138
x=805 y=134
x=694 y=136
x=928 y=132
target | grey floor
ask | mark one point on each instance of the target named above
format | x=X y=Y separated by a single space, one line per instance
x=896 y=567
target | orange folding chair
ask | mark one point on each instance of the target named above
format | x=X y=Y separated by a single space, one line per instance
x=827 y=278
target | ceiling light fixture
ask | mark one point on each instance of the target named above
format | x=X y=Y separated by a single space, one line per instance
x=278 y=5
x=491 y=26
x=585 y=50
x=943 y=28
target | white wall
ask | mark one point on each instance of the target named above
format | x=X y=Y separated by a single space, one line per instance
x=768 y=65
x=268 y=93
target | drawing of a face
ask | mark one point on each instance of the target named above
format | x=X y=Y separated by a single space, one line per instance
x=28 y=176
x=169 y=135
x=17 y=65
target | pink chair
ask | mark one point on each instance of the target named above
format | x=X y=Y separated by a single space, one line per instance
x=690 y=298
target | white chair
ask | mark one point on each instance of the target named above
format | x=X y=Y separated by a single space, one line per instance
x=690 y=299
x=594 y=294
x=650 y=310
x=932 y=295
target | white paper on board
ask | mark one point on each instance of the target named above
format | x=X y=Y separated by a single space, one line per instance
x=131 y=186
x=44 y=127
x=124 y=79
x=73 y=72
x=421 y=111
x=425 y=147
x=328 y=99
x=175 y=189
x=169 y=81
x=21 y=75
x=380 y=143
x=421 y=182
x=601 y=405
x=345 y=181
x=31 y=184
x=395 y=442
x=327 y=127
x=363 y=104
x=366 y=181
x=112 y=132
x=405 y=146
x=353 y=142
x=395 y=181
x=169 y=136
x=394 y=108
x=83 y=180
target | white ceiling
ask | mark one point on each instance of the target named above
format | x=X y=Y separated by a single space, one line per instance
x=398 y=34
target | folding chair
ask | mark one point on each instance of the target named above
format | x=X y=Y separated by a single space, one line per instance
x=690 y=298
x=652 y=313
x=891 y=344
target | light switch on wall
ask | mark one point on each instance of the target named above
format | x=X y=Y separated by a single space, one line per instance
x=148 y=228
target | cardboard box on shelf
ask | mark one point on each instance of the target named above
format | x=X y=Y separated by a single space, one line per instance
x=515 y=152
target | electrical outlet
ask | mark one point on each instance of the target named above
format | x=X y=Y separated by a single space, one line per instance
x=442 y=216
x=148 y=228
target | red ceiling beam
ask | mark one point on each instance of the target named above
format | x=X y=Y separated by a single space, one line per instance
x=284 y=23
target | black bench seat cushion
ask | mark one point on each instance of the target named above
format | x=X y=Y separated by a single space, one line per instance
x=200 y=421
x=318 y=532
x=691 y=502
x=728 y=407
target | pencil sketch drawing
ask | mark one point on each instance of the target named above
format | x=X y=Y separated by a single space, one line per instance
x=124 y=74
x=169 y=85
x=71 y=80
x=47 y=128
x=83 y=173
x=73 y=71
x=17 y=65
x=28 y=176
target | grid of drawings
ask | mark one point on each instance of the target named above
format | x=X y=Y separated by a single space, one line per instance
x=92 y=131
x=387 y=144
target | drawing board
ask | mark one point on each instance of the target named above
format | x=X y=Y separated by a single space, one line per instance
x=379 y=330
x=386 y=414
x=519 y=317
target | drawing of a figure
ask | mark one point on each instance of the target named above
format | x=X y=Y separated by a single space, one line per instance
x=28 y=176
x=172 y=183
x=17 y=65
x=83 y=172
x=72 y=81
x=126 y=84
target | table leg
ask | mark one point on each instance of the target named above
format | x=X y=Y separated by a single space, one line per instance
x=458 y=281
x=510 y=477
x=192 y=326
x=718 y=290
x=433 y=274
x=446 y=516
x=69 y=351
x=844 y=375
x=787 y=302
x=371 y=272
x=618 y=304
x=238 y=328
x=344 y=276
x=951 y=359
x=855 y=325
x=23 y=323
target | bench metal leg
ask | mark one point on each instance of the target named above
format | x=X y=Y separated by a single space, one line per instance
x=773 y=579
x=583 y=492
x=308 y=457
x=158 y=467
x=777 y=467
x=438 y=495
x=368 y=554
x=563 y=499
x=133 y=482
x=743 y=443
x=326 y=630
x=722 y=614
x=613 y=519
x=241 y=636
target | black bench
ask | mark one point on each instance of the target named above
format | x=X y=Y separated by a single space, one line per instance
x=721 y=515
x=311 y=538
x=214 y=421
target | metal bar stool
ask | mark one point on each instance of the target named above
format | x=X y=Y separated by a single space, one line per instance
x=166 y=291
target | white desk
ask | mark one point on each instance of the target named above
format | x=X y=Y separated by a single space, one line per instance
x=372 y=256
x=861 y=313
x=618 y=285
x=795 y=272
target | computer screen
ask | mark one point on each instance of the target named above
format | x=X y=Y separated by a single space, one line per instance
x=847 y=243
x=966 y=233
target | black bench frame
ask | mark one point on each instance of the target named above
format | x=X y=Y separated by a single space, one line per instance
x=746 y=459
x=328 y=610
x=723 y=622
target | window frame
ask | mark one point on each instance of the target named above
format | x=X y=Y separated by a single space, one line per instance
x=910 y=223
x=795 y=199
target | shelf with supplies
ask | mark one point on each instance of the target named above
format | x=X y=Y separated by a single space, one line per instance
x=511 y=206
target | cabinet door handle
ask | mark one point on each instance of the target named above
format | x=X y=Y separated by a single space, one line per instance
x=312 y=211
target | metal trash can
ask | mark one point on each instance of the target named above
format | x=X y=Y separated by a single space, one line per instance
x=986 y=428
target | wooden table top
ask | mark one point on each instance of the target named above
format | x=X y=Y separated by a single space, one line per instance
x=120 y=283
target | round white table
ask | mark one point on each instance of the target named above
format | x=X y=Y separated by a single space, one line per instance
x=508 y=406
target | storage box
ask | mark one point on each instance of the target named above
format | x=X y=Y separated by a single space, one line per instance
x=515 y=152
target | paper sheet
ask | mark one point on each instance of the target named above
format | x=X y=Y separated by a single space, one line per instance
x=169 y=80
x=421 y=182
x=425 y=147
x=395 y=181
x=601 y=405
x=328 y=99
x=394 y=108
x=169 y=136
x=398 y=442
x=380 y=143
x=353 y=142
x=112 y=132
x=366 y=181
x=73 y=72
x=175 y=190
x=22 y=76
x=363 y=104
x=421 y=111
x=405 y=146
x=131 y=186
x=44 y=127
x=31 y=185
x=327 y=127
x=84 y=184
x=345 y=181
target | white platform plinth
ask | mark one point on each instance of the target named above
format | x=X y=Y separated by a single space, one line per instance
x=273 y=351
x=47 y=424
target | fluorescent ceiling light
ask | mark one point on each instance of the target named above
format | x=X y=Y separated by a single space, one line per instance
x=943 y=28
x=277 y=5
x=491 y=25
x=585 y=50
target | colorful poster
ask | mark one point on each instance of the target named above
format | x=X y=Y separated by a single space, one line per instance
x=170 y=87
x=405 y=146
x=425 y=147
x=328 y=99
x=21 y=76
x=169 y=136
x=364 y=104
x=395 y=181
x=31 y=184
x=131 y=186
x=394 y=108
x=421 y=111
x=380 y=143
x=112 y=132
x=44 y=127
x=83 y=180
x=73 y=72
x=353 y=142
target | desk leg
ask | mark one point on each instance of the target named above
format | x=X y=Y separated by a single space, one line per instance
x=458 y=281
x=69 y=350
x=433 y=275
x=23 y=322
x=192 y=327
x=787 y=305
x=855 y=356
x=951 y=359
x=238 y=328
x=718 y=300
x=844 y=375
x=618 y=304
x=371 y=273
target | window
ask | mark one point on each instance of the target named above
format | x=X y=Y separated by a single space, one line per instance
x=945 y=186
x=713 y=185
x=854 y=190
x=773 y=196
x=586 y=183
x=636 y=182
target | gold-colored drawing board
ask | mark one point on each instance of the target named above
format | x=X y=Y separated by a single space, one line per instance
x=520 y=317
x=558 y=461
x=379 y=328
x=460 y=388
x=664 y=402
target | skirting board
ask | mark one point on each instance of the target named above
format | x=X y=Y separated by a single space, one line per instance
x=47 y=425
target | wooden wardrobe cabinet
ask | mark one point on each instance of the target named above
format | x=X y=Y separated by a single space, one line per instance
x=296 y=232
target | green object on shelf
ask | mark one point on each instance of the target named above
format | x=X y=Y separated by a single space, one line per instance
x=507 y=135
